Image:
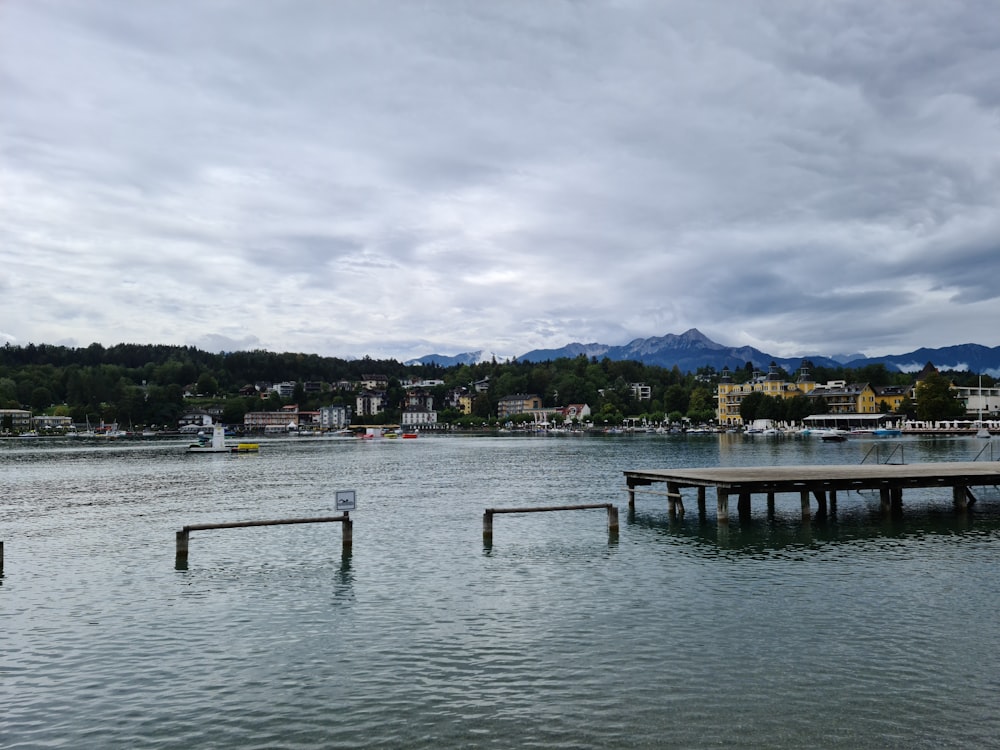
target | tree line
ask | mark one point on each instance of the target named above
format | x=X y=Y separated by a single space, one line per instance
x=141 y=385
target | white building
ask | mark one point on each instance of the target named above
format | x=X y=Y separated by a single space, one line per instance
x=418 y=418
x=334 y=417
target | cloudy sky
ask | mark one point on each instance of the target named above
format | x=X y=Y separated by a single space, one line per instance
x=394 y=179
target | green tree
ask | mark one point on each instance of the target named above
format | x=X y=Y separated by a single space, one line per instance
x=906 y=407
x=936 y=400
x=41 y=398
x=207 y=385
x=752 y=407
x=798 y=408
x=701 y=405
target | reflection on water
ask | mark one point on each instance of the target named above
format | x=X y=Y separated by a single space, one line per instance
x=771 y=533
x=854 y=630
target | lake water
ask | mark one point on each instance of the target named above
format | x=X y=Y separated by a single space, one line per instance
x=856 y=631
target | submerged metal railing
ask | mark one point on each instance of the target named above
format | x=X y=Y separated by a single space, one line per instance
x=877 y=450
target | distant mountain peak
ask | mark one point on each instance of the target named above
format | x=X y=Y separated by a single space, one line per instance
x=692 y=350
x=444 y=360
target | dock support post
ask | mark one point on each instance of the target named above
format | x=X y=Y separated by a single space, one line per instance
x=675 y=504
x=613 y=519
x=1 y=559
x=631 y=498
x=743 y=506
x=833 y=501
x=896 y=500
x=806 y=511
x=820 y=503
x=722 y=498
x=958 y=495
x=701 y=501
x=884 y=499
x=182 y=549
x=488 y=525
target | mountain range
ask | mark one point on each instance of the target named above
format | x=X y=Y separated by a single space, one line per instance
x=693 y=349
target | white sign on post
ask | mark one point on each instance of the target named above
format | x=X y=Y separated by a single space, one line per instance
x=345 y=500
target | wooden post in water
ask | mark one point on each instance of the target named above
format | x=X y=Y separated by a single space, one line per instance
x=182 y=548
x=820 y=503
x=806 y=510
x=1 y=558
x=743 y=506
x=701 y=500
x=612 y=519
x=488 y=522
x=678 y=499
x=884 y=499
x=958 y=496
x=722 y=499
x=896 y=500
x=675 y=504
x=347 y=531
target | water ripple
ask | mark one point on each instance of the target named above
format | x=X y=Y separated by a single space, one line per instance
x=857 y=632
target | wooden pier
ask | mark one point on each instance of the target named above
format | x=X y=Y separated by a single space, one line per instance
x=820 y=482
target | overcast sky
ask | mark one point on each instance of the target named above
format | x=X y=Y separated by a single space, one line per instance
x=394 y=179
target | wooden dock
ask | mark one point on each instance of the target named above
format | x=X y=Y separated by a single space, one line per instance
x=820 y=482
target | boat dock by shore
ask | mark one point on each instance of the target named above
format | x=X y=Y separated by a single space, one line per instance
x=819 y=482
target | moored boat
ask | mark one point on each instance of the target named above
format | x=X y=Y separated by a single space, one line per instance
x=217 y=444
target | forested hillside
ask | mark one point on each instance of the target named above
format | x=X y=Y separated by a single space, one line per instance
x=145 y=385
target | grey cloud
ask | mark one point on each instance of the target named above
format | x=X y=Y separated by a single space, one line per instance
x=511 y=176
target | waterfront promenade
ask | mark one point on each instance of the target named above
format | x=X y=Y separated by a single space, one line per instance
x=820 y=482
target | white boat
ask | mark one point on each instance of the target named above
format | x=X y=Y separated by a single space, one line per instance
x=218 y=444
x=886 y=432
x=834 y=436
x=829 y=434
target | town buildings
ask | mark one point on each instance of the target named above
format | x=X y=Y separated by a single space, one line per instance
x=839 y=396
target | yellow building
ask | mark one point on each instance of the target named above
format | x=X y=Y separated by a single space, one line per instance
x=861 y=398
x=730 y=395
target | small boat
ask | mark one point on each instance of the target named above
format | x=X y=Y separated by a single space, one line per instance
x=829 y=434
x=218 y=443
x=410 y=435
x=833 y=437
